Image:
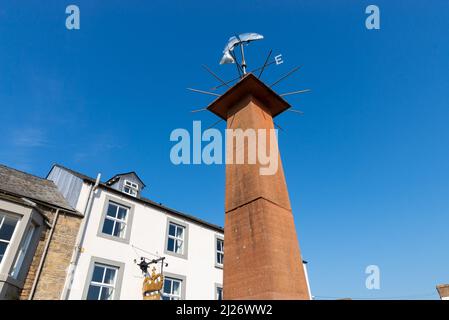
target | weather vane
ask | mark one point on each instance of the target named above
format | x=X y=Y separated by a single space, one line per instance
x=230 y=57
x=241 y=41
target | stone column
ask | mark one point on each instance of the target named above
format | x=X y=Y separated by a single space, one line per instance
x=262 y=256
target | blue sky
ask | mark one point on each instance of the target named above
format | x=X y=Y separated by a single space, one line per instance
x=367 y=166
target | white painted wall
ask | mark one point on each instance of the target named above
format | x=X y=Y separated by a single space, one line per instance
x=148 y=233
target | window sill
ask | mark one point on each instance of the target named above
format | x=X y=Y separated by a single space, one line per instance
x=177 y=255
x=113 y=238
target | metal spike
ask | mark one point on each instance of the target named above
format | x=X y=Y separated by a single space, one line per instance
x=285 y=76
x=232 y=121
x=215 y=123
x=214 y=75
x=278 y=126
x=239 y=68
x=295 y=92
x=204 y=92
x=235 y=79
x=265 y=63
x=296 y=111
x=198 y=110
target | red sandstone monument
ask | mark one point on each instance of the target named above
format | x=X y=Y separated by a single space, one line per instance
x=263 y=260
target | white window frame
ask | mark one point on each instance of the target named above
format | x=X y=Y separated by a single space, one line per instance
x=217 y=288
x=219 y=252
x=116 y=220
x=8 y=242
x=103 y=285
x=175 y=238
x=23 y=251
x=132 y=186
x=171 y=295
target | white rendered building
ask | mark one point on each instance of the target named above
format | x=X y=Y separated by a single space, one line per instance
x=120 y=226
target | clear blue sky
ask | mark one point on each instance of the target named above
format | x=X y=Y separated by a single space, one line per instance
x=367 y=166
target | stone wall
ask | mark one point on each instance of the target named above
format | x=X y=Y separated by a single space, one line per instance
x=25 y=293
x=54 y=271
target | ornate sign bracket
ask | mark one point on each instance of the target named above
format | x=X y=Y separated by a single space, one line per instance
x=154 y=282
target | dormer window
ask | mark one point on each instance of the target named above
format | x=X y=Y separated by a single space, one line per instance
x=130 y=188
x=128 y=183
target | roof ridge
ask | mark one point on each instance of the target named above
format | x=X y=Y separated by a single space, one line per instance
x=26 y=173
x=81 y=175
x=23 y=184
x=144 y=199
x=126 y=173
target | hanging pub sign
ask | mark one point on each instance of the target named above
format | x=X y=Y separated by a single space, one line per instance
x=154 y=282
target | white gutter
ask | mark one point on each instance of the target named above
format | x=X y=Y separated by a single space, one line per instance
x=79 y=241
x=44 y=255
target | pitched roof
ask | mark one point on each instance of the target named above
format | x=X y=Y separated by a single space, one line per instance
x=25 y=185
x=144 y=200
x=113 y=179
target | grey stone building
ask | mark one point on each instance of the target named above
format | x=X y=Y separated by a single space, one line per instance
x=37 y=233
